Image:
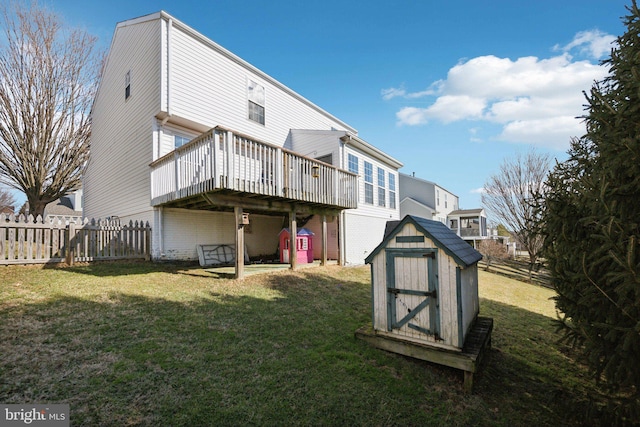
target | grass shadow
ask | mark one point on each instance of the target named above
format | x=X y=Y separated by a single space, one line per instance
x=164 y=348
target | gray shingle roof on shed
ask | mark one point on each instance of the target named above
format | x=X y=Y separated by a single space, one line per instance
x=441 y=235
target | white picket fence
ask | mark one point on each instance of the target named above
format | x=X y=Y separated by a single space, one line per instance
x=29 y=240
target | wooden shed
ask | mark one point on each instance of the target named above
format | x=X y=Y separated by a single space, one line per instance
x=425 y=295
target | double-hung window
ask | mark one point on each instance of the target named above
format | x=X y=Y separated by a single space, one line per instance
x=368 y=183
x=381 y=188
x=256 y=102
x=353 y=163
x=392 y=190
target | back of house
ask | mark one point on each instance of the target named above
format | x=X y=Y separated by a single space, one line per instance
x=184 y=131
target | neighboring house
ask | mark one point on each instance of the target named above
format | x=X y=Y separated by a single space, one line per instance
x=470 y=224
x=66 y=209
x=425 y=199
x=190 y=137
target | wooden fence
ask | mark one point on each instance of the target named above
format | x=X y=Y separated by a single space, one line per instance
x=25 y=240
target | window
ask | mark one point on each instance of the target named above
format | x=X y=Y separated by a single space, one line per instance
x=256 y=102
x=127 y=85
x=368 y=183
x=437 y=197
x=303 y=244
x=381 y=188
x=179 y=141
x=445 y=200
x=392 y=191
x=353 y=163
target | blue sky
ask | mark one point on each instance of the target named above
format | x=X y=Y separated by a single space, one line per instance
x=448 y=88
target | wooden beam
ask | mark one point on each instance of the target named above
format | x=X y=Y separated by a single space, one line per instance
x=323 y=257
x=226 y=201
x=293 y=243
x=239 y=243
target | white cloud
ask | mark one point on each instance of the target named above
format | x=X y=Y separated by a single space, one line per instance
x=536 y=101
x=392 y=92
x=552 y=132
x=593 y=44
x=477 y=190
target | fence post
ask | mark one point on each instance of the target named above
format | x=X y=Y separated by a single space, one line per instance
x=71 y=241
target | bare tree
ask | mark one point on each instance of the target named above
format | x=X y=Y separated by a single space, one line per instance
x=6 y=199
x=511 y=197
x=48 y=79
x=492 y=250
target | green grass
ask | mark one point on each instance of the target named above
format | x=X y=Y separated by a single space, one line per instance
x=145 y=344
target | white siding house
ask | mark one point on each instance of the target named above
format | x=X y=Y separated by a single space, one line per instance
x=425 y=199
x=188 y=136
x=470 y=224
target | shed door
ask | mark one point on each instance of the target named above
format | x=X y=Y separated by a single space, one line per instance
x=412 y=291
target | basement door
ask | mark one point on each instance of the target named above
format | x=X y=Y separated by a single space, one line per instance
x=412 y=292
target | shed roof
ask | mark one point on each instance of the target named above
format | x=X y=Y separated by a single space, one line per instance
x=443 y=237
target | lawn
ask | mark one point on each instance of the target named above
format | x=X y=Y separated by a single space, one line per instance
x=146 y=344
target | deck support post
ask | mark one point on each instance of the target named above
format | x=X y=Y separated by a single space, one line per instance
x=293 y=242
x=323 y=258
x=239 y=242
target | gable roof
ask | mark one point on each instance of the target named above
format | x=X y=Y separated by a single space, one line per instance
x=443 y=237
x=196 y=35
x=410 y=199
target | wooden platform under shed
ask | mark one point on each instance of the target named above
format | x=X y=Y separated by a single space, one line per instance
x=468 y=360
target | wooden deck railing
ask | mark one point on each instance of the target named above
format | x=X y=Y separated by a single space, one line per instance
x=223 y=160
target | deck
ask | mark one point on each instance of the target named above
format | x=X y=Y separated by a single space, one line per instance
x=222 y=167
x=468 y=360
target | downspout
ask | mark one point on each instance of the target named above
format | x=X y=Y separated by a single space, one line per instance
x=343 y=217
x=161 y=230
x=169 y=27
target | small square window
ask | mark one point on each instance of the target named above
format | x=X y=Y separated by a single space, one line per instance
x=179 y=141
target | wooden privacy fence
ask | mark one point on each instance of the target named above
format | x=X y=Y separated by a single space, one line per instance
x=25 y=240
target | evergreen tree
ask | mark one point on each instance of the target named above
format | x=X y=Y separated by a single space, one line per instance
x=591 y=223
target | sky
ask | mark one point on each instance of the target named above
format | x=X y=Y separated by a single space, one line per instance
x=449 y=88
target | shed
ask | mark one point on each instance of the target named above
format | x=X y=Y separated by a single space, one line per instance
x=304 y=245
x=425 y=294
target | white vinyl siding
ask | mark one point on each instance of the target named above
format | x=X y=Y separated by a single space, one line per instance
x=316 y=143
x=362 y=234
x=172 y=137
x=184 y=229
x=117 y=179
x=212 y=90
